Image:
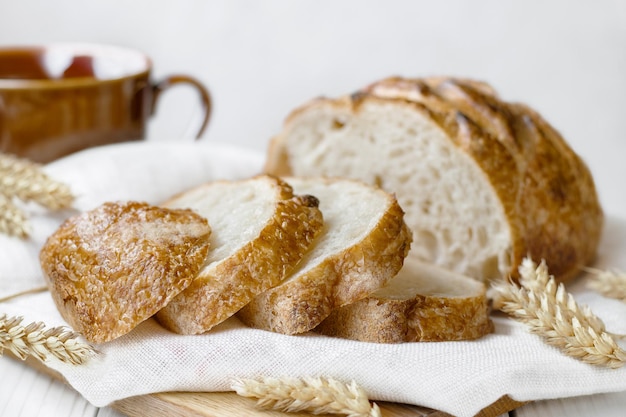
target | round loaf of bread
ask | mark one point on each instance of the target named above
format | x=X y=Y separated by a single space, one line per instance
x=483 y=182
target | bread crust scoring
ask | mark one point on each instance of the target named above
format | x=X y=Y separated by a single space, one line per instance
x=546 y=191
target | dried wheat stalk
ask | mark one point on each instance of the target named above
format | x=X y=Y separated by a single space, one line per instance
x=552 y=313
x=25 y=180
x=313 y=395
x=33 y=290
x=35 y=340
x=610 y=283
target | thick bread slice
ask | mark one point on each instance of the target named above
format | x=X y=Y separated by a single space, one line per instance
x=362 y=246
x=484 y=182
x=423 y=303
x=260 y=232
x=113 y=267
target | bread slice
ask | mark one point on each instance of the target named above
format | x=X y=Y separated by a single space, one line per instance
x=362 y=246
x=423 y=303
x=260 y=232
x=113 y=267
x=484 y=182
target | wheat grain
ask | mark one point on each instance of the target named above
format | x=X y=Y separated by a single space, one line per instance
x=610 y=283
x=313 y=395
x=36 y=340
x=552 y=313
x=533 y=276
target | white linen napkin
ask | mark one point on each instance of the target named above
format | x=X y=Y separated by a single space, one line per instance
x=460 y=378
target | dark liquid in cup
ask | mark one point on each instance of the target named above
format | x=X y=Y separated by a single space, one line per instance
x=30 y=65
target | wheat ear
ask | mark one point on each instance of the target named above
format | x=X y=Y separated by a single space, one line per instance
x=35 y=340
x=552 y=313
x=610 y=283
x=313 y=395
x=26 y=180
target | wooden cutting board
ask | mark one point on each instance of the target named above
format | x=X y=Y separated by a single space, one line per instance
x=229 y=404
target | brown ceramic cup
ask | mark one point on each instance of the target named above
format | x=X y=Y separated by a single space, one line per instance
x=60 y=98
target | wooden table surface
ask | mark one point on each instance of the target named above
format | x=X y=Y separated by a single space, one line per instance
x=25 y=392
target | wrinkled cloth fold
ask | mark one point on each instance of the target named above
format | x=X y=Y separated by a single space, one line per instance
x=460 y=378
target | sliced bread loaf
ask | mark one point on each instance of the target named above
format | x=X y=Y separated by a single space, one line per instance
x=423 y=303
x=113 y=267
x=484 y=182
x=362 y=246
x=260 y=232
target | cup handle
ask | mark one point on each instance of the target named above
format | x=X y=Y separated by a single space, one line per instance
x=172 y=80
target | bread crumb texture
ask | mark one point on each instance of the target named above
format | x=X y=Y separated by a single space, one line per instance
x=115 y=266
x=483 y=182
x=362 y=246
x=259 y=239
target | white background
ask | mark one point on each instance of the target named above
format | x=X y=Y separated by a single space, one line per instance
x=566 y=58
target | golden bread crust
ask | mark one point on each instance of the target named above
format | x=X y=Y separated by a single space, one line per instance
x=219 y=291
x=422 y=303
x=113 y=267
x=420 y=319
x=300 y=304
x=545 y=189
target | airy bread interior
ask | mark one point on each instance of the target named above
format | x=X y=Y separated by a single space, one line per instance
x=418 y=278
x=456 y=218
x=362 y=246
x=237 y=214
x=351 y=210
x=260 y=232
x=484 y=182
